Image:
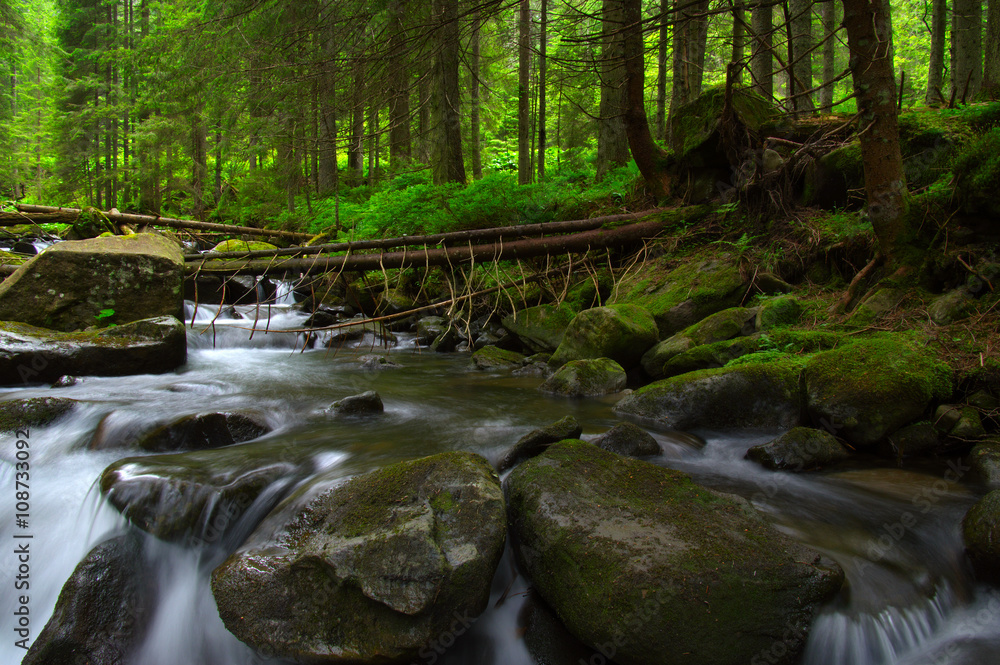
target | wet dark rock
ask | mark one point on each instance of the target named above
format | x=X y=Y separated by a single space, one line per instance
x=22 y=247
x=749 y=395
x=103 y=610
x=984 y=460
x=629 y=440
x=372 y=363
x=67 y=381
x=446 y=341
x=430 y=328
x=358 y=405
x=799 y=449
x=535 y=442
x=642 y=564
x=18 y=414
x=584 y=378
x=118 y=279
x=198 y=497
x=981 y=535
x=371 y=570
x=915 y=439
x=493 y=358
x=192 y=432
x=36 y=355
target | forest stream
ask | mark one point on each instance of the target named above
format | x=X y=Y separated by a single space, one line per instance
x=909 y=598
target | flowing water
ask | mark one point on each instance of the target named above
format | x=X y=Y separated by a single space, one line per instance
x=909 y=598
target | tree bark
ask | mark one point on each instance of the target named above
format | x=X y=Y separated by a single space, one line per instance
x=801 y=28
x=199 y=164
x=400 y=141
x=991 y=74
x=967 y=49
x=870 y=41
x=935 y=68
x=761 y=58
x=649 y=157
x=690 y=35
x=448 y=162
x=612 y=143
x=355 y=149
x=474 y=102
x=542 y=73
x=739 y=39
x=523 y=94
x=662 y=63
x=826 y=94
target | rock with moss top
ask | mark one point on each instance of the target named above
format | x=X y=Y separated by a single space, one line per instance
x=950 y=307
x=876 y=306
x=196 y=497
x=103 y=610
x=494 y=358
x=78 y=284
x=869 y=389
x=620 y=332
x=18 y=414
x=708 y=356
x=749 y=395
x=585 y=378
x=37 y=355
x=969 y=425
x=540 y=328
x=429 y=328
x=659 y=566
x=778 y=312
x=535 y=442
x=629 y=440
x=371 y=570
x=799 y=449
x=981 y=535
x=718 y=327
x=915 y=439
x=984 y=460
x=366 y=403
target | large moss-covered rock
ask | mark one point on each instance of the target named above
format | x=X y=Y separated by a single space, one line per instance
x=18 y=414
x=103 y=609
x=540 y=328
x=619 y=332
x=536 y=441
x=687 y=294
x=584 y=378
x=799 y=449
x=981 y=534
x=868 y=389
x=78 y=284
x=371 y=570
x=712 y=330
x=35 y=355
x=194 y=497
x=649 y=568
x=750 y=395
x=777 y=312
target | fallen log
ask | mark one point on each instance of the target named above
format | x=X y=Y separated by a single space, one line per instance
x=18 y=218
x=153 y=220
x=451 y=238
x=501 y=251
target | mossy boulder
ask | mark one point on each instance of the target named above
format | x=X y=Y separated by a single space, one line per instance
x=429 y=327
x=18 y=414
x=78 y=284
x=536 y=441
x=876 y=306
x=915 y=439
x=235 y=245
x=619 y=332
x=540 y=328
x=750 y=395
x=799 y=449
x=718 y=327
x=36 y=355
x=197 y=497
x=708 y=356
x=867 y=390
x=629 y=440
x=984 y=460
x=952 y=306
x=584 y=378
x=371 y=570
x=494 y=358
x=103 y=610
x=777 y=312
x=688 y=293
x=981 y=535
x=646 y=566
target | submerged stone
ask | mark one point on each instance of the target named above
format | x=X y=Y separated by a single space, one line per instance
x=649 y=568
x=371 y=570
x=18 y=414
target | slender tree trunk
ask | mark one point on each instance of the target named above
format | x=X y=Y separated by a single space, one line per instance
x=474 y=105
x=870 y=39
x=424 y=117
x=739 y=38
x=762 y=58
x=542 y=87
x=829 y=9
x=372 y=143
x=967 y=49
x=690 y=35
x=199 y=165
x=662 y=64
x=935 y=69
x=217 y=194
x=523 y=92
x=448 y=162
x=355 y=149
x=612 y=143
x=801 y=28
x=648 y=156
x=991 y=74
x=400 y=142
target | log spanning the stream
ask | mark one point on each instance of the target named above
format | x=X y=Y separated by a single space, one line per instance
x=446 y=256
x=152 y=220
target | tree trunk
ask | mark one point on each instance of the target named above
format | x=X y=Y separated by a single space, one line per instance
x=801 y=28
x=612 y=143
x=967 y=49
x=649 y=157
x=199 y=164
x=448 y=163
x=400 y=142
x=355 y=149
x=690 y=35
x=829 y=9
x=991 y=74
x=935 y=68
x=662 y=63
x=542 y=84
x=523 y=95
x=870 y=42
x=474 y=105
x=762 y=58
x=739 y=39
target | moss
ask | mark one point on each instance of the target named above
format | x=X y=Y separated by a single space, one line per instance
x=695 y=122
x=620 y=332
x=234 y=245
x=494 y=358
x=580 y=378
x=22 y=414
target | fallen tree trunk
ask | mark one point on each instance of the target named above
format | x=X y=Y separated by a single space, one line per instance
x=152 y=220
x=519 y=249
x=18 y=218
x=473 y=235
